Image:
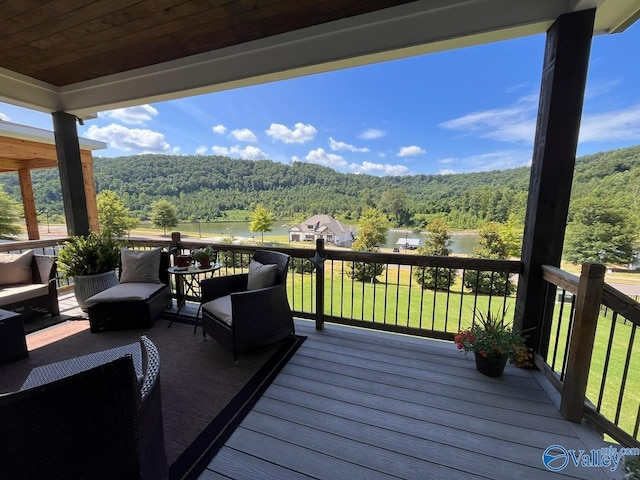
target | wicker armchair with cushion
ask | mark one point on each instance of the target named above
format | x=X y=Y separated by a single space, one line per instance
x=95 y=416
x=250 y=309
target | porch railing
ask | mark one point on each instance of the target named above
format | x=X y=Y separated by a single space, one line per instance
x=593 y=354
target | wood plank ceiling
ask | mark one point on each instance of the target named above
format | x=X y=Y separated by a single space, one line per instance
x=63 y=42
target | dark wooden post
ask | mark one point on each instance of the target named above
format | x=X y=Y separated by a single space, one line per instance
x=319 y=263
x=564 y=78
x=583 y=334
x=175 y=243
x=71 y=178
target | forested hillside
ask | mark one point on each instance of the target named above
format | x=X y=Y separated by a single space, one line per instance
x=210 y=186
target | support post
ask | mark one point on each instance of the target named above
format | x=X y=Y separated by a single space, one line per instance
x=583 y=335
x=319 y=263
x=71 y=177
x=29 y=204
x=562 y=89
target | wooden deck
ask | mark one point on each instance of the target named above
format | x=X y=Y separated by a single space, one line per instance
x=357 y=404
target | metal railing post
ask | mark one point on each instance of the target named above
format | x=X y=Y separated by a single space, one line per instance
x=318 y=261
x=587 y=309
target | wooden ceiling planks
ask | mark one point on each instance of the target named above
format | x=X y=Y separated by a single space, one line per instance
x=66 y=41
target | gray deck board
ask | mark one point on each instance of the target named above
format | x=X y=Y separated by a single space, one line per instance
x=359 y=404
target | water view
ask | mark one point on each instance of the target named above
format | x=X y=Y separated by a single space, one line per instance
x=462 y=243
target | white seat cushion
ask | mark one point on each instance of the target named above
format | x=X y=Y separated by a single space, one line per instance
x=20 y=293
x=220 y=308
x=126 y=292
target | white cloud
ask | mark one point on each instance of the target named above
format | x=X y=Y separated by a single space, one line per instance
x=201 y=150
x=379 y=168
x=619 y=125
x=244 y=135
x=498 y=160
x=132 y=115
x=372 y=134
x=130 y=139
x=4 y=118
x=248 y=153
x=321 y=157
x=514 y=124
x=301 y=133
x=412 y=151
x=342 y=146
x=446 y=172
x=221 y=129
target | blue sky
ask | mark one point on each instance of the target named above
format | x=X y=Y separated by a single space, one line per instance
x=460 y=111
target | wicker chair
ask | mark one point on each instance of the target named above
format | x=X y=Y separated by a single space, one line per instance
x=254 y=317
x=96 y=423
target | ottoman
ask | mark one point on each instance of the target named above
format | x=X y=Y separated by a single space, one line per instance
x=13 y=345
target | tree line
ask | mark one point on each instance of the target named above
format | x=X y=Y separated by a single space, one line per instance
x=603 y=219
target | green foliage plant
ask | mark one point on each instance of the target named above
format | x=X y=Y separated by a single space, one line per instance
x=88 y=255
x=437 y=242
x=9 y=217
x=491 y=336
x=204 y=252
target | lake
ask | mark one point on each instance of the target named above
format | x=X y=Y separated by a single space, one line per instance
x=463 y=243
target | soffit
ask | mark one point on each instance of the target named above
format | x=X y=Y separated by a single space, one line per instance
x=84 y=56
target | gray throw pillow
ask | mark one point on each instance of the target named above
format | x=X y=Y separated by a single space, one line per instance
x=140 y=266
x=261 y=276
x=16 y=268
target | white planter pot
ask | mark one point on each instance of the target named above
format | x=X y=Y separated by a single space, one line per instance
x=88 y=285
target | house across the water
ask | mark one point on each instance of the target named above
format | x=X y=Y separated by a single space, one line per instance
x=325 y=227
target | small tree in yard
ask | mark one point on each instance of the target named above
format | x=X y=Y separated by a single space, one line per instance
x=164 y=214
x=261 y=220
x=371 y=232
x=437 y=243
x=490 y=245
x=113 y=216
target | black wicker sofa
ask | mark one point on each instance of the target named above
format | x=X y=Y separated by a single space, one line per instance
x=28 y=284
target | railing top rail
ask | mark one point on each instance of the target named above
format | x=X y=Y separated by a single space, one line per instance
x=565 y=280
x=29 y=244
x=621 y=303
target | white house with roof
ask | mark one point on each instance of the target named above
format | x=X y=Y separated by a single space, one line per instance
x=325 y=227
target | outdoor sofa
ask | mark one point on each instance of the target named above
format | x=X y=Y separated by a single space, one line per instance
x=28 y=284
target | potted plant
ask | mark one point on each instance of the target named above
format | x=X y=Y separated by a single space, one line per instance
x=203 y=256
x=493 y=341
x=91 y=260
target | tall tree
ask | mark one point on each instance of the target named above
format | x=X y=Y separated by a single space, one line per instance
x=9 y=217
x=437 y=242
x=491 y=245
x=394 y=203
x=164 y=214
x=113 y=216
x=370 y=233
x=599 y=232
x=261 y=220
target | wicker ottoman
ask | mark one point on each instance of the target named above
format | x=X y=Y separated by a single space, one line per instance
x=13 y=345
